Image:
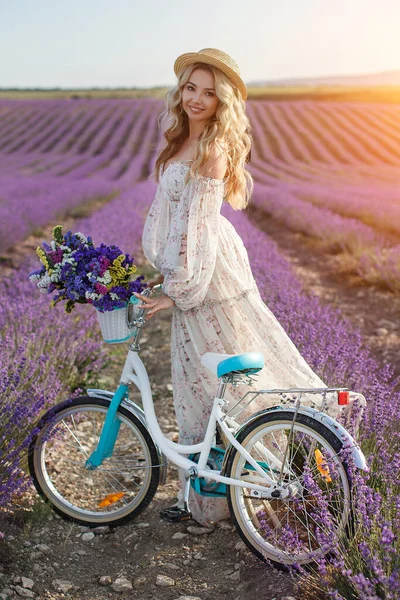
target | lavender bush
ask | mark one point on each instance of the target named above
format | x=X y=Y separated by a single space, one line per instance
x=22 y=399
x=42 y=356
x=57 y=354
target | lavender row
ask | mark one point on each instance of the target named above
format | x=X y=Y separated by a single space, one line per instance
x=43 y=356
x=29 y=203
x=287 y=139
x=361 y=199
x=367 y=564
x=370 y=255
x=55 y=183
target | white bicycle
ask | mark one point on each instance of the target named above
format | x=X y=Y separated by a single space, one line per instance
x=99 y=458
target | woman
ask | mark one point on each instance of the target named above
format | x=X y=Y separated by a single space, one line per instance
x=204 y=266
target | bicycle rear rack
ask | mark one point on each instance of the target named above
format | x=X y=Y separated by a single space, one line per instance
x=289 y=396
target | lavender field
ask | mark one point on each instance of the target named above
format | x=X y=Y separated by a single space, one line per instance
x=328 y=170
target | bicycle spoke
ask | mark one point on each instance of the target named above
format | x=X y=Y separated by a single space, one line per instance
x=75 y=438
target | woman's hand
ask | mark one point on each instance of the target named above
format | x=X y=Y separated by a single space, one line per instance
x=154 y=305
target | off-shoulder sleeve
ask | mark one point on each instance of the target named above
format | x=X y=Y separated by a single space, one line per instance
x=189 y=258
x=156 y=228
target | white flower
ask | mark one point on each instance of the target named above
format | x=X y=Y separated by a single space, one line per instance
x=68 y=261
x=81 y=237
x=44 y=282
x=106 y=278
x=114 y=296
x=92 y=296
x=55 y=276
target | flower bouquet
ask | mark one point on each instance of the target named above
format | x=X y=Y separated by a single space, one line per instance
x=81 y=273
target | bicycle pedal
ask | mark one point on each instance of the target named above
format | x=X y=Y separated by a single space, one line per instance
x=174 y=514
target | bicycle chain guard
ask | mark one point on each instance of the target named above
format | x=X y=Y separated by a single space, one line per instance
x=205 y=486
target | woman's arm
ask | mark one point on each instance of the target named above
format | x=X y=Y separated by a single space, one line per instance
x=189 y=258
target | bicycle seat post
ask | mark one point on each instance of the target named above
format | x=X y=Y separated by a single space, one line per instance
x=221 y=390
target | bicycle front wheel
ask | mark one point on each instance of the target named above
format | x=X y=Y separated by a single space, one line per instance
x=119 y=489
x=304 y=460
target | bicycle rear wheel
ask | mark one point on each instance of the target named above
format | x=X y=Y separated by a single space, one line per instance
x=119 y=489
x=304 y=526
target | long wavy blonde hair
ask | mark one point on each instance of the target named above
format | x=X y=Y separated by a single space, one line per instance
x=229 y=130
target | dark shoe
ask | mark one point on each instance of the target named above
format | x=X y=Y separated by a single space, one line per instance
x=175 y=514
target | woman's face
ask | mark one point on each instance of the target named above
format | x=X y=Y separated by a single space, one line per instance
x=199 y=92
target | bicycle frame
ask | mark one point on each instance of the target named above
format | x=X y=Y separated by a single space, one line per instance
x=135 y=372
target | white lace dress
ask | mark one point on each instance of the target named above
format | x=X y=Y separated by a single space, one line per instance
x=218 y=308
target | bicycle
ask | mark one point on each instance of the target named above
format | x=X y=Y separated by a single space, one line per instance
x=99 y=458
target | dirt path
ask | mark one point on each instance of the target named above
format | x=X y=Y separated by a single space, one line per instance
x=374 y=311
x=15 y=256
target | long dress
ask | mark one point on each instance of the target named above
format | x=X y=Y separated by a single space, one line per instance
x=218 y=308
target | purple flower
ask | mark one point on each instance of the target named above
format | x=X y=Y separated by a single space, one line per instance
x=84 y=272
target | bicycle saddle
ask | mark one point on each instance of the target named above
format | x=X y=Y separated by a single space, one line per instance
x=222 y=364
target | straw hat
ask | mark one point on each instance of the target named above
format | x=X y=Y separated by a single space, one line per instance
x=217 y=58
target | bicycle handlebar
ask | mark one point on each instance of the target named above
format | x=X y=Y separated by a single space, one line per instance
x=150 y=290
x=136 y=319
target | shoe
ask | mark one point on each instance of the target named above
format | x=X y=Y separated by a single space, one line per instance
x=175 y=514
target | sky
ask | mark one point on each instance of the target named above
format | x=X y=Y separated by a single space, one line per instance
x=134 y=43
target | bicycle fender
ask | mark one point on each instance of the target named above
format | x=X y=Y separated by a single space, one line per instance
x=331 y=424
x=340 y=432
x=136 y=410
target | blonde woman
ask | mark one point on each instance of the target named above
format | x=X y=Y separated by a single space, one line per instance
x=207 y=279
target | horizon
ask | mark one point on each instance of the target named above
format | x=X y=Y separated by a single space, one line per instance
x=249 y=84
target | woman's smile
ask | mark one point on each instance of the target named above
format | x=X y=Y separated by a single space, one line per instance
x=196 y=110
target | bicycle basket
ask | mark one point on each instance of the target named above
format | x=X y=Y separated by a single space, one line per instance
x=114 y=325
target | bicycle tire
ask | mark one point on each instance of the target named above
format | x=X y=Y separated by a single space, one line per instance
x=46 y=482
x=273 y=509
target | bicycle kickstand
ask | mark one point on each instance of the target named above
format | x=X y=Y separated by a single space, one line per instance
x=186 y=492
